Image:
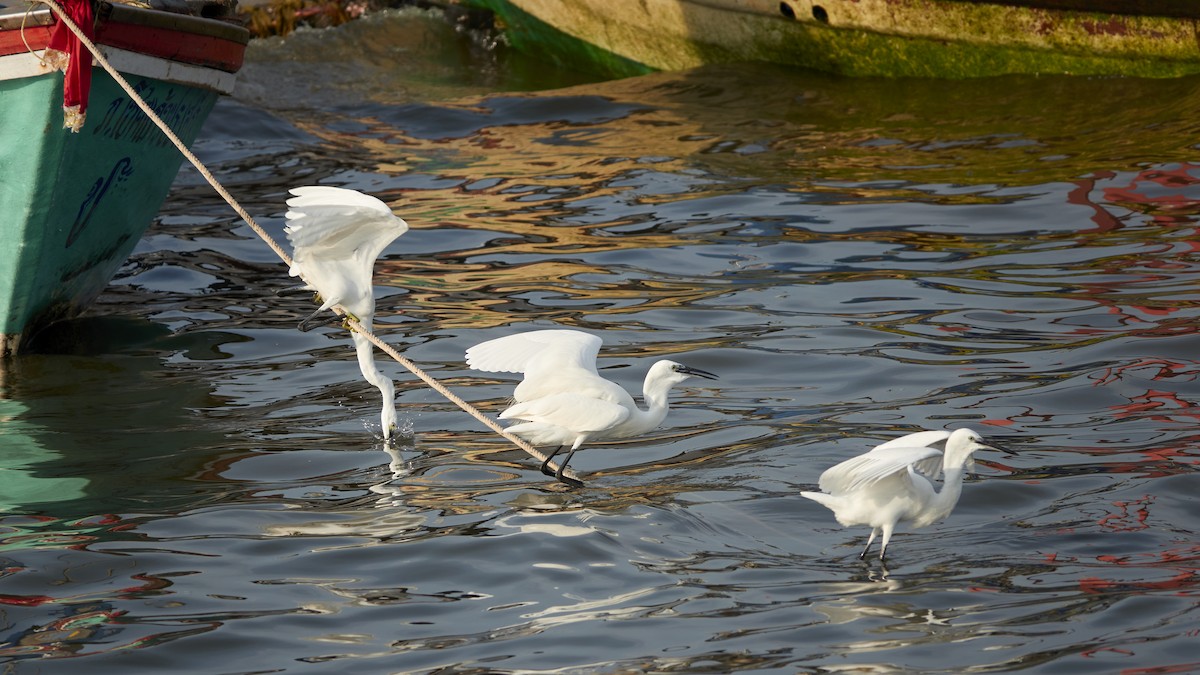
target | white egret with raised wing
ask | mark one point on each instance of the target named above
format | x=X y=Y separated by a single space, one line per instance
x=888 y=485
x=336 y=235
x=563 y=401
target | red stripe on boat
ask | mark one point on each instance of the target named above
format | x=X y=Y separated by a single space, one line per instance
x=200 y=50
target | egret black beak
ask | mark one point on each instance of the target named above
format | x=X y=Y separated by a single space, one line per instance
x=696 y=372
x=990 y=445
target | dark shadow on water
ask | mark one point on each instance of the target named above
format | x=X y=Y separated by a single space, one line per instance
x=97 y=335
x=120 y=334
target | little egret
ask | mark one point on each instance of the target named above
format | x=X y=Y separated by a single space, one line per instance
x=562 y=400
x=336 y=236
x=885 y=486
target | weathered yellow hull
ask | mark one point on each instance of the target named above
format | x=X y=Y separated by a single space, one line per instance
x=892 y=38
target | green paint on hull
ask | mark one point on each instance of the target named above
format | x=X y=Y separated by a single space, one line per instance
x=985 y=50
x=529 y=35
x=73 y=206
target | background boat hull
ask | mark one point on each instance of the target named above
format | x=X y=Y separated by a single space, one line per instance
x=887 y=38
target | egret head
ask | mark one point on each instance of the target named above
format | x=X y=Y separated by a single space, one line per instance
x=674 y=373
x=964 y=442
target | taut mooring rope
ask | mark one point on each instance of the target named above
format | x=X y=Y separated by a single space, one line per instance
x=233 y=203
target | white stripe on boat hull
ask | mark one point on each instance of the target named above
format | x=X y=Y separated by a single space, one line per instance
x=18 y=66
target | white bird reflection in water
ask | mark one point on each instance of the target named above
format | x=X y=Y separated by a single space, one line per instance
x=391 y=491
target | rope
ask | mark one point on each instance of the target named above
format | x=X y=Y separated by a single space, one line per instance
x=283 y=255
x=24 y=18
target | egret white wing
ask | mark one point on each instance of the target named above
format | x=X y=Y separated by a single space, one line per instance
x=331 y=223
x=541 y=350
x=931 y=467
x=858 y=472
x=580 y=414
x=327 y=195
x=920 y=439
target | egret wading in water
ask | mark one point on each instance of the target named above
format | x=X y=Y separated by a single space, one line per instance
x=563 y=401
x=336 y=235
x=888 y=486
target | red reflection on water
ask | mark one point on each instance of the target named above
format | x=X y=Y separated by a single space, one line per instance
x=1173 y=179
x=25 y=600
x=1104 y=220
x=1183 y=583
x=1126 y=522
x=1164 y=670
x=1167 y=404
x=1183 y=558
x=1164 y=208
x=1164 y=198
x=1167 y=369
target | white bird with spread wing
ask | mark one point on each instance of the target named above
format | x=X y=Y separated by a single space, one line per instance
x=562 y=399
x=336 y=235
x=888 y=485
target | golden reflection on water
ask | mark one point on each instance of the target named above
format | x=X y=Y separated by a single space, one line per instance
x=536 y=210
x=556 y=191
x=469 y=299
x=813 y=128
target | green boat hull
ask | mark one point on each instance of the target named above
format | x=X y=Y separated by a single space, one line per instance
x=882 y=38
x=74 y=205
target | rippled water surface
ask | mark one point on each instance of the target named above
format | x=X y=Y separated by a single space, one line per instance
x=191 y=485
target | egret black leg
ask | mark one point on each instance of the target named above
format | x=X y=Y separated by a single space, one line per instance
x=563 y=465
x=546 y=464
x=313 y=322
